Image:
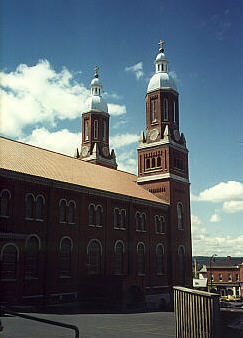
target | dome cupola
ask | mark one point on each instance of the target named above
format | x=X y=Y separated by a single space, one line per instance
x=161 y=78
x=96 y=102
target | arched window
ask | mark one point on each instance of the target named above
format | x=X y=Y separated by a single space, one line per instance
x=29 y=206
x=9 y=258
x=94 y=257
x=147 y=163
x=66 y=246
x=180 y=224
x=5 y=199
x=99 y=216
x=181 y=265
x=141 y=258
x=160 y=259
x=123 y=218
x=162 y=224
x=166 y=109
x=116 y=218
x=91 y=214
x=153 y=162
x=31 y=263
x=159 y=161
x=138 y=221
x=71 y=212
x=63 y=211
x=118 y=258
x=143 y=222
x=40 y=201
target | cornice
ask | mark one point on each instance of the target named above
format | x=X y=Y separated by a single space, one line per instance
x=163 y=142
x=161 y=177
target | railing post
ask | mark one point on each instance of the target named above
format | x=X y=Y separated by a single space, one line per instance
x=197 y=313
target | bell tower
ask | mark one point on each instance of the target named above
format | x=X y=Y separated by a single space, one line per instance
x=95 y=128
x=163 y=164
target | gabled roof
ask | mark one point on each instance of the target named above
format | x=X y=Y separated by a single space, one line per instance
x=30 y=160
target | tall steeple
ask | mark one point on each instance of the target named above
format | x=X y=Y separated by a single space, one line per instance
x=95 y=128
x=163 y=164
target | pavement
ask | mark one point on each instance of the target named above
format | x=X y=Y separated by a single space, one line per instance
x=134 y=325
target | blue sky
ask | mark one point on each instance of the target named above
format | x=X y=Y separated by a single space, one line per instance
x=49 y=50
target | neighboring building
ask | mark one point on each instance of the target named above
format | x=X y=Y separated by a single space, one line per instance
x=78 y=229
x=225 y=276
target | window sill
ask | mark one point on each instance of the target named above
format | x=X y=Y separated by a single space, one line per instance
x=117 y=228
x=29 y=219
x=39 y=220
x=31 y=278
x=4 y=216
x=141 y=274
x=65 y=277
x=154 y=123
x=8 y=280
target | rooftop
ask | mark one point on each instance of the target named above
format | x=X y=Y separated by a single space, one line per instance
x=30 y=160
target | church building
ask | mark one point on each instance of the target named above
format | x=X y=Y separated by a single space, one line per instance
x=77 y=229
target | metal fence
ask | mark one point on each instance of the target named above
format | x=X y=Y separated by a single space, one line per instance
x=197 y=313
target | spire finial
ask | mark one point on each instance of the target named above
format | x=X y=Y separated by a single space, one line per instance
x=161 y=49
x=96 y=69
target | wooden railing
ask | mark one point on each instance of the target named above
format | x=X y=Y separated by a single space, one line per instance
x=197 y=313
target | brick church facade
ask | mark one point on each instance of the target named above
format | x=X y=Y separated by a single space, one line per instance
x=79 y=230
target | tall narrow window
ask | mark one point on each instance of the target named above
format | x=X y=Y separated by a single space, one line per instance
x=86 y=130
x=180 y=224
x=62 y=211
x=71 y=212
x=9 y=257
x=99 y=216
x=94 y=257
x=5 y=200
x=29 y=206
x=174 y=111
x=91 y=214
x=160 y=259
x=141 y=258
x=166 y=109
x=143 y=222
x=104 y=130
x=159 y=161
x=118 y=258
x=123 y=218
x=154 y=109
x=39 y=207
x=31 y=264
x=153 y=162
x=96 y=124
x=65 y=257
x=147 y=163
x=116 y=218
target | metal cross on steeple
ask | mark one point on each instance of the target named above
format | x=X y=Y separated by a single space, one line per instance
x=161 y=45
x=96 y=69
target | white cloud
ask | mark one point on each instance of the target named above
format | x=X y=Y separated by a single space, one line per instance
x=127 y=162
x=223 y=191
x=137 y=69
x=121 y=140
x=116 y=109
x=215 y=218
x=38 y=94
x=62 y=141
x=233 y=206
x=205 y=244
